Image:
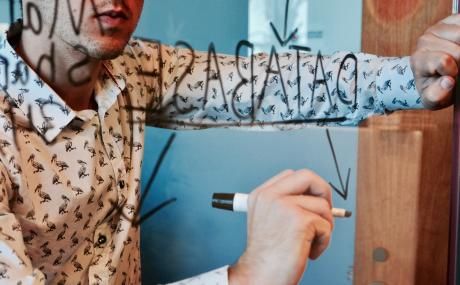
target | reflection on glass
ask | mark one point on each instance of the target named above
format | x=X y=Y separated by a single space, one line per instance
x=323 y=25
x=288 y=18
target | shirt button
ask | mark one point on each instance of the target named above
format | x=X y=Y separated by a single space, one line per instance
x=121 y=184
x=101 y=240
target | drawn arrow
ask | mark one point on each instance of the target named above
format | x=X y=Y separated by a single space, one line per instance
x=155 y=171
x=11 y=11
x=344 y=191
x=137 y=219
x=285 y=40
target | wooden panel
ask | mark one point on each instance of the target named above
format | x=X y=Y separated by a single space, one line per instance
x=434 y=197
x=391 y=28
x=388 y=206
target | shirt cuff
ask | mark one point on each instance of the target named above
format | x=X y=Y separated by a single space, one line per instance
x=215 y=277
x=395 y=85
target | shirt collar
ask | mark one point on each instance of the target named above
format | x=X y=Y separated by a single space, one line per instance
x=43 y=107
x=111 y=83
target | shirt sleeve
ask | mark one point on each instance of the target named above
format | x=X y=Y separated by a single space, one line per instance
x=15 y=265
x=192 y=90
x=216 y=277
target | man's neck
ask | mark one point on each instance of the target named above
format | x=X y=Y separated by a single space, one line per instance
x=68 y=71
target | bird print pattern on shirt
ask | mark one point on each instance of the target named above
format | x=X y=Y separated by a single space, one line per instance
x=63 y=173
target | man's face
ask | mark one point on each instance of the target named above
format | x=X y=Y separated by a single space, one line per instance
x=106 y=25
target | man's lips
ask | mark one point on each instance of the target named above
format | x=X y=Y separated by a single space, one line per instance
x=113 y=14
x=112 y=17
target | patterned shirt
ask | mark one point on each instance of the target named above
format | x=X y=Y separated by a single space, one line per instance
x=70 y=180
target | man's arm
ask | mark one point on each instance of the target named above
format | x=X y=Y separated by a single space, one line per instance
x=200 y=89
x=15 y=265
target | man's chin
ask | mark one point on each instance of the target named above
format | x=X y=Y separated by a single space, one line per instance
x=106 y=49
x=107 y=53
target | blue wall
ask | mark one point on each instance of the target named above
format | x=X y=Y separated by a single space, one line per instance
x=198 y=22
x=169 y=239
x=5 y=11
x=189 y=237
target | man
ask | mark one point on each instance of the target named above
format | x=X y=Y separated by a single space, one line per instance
x=76 y=94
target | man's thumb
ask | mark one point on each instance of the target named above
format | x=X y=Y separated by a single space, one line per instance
x=438 y=94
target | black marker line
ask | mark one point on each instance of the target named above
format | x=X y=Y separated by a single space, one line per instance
x=12 y=11
x=344 y=192
x=299 y=76
x=135 y=222
x=77 y=27
x=157 y=167
x=212 y=55
x=285 y=40
x=242 y=124
x=32 y=7
x=273 y=55
x=342 y=65
x=55 y=15
x=286 y=15
x=155 y=210
x=316 y=81
x=244 y=81
x=148 y=187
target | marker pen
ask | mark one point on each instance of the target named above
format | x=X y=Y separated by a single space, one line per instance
x=238 y=202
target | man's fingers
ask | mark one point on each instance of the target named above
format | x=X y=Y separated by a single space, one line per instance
x=322 y=234
x=446 y=31
x=316 y=205
x=452 y=20
x=430 y=63
x=303 y=182
x=438 y=41
x=439 y=93
x=436 y=74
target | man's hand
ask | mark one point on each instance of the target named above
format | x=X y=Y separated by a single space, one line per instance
x=289 y=220
x=435 y=63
